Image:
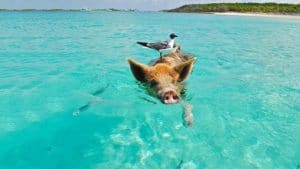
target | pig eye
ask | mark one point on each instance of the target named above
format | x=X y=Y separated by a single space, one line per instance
x=153 y=83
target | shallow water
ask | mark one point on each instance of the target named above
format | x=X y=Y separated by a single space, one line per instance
x=68 y=99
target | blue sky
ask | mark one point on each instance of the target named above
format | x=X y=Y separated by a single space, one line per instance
x=121 y=4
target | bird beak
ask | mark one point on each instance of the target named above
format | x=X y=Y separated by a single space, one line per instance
x=175 y=35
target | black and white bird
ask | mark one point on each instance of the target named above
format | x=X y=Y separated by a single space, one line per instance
x=164 y=46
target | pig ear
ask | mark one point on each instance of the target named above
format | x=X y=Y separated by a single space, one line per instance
x=184 y=69
x=138 y=70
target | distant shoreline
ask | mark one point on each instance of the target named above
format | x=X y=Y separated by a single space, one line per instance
x=287 y=16
x=254 y=14
x=282 y=10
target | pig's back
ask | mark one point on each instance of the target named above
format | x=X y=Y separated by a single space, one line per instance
x=172 y=59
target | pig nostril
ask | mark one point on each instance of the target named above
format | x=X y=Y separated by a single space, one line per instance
x=167 y=98
x=175 y=97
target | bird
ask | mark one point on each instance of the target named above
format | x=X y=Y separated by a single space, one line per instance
x=162 y=46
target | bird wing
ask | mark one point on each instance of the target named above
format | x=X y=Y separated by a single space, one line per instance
x=158 y=45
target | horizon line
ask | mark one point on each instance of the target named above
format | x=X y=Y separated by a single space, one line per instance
x=128 y=9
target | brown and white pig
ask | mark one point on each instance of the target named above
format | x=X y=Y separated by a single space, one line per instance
x=166 y=75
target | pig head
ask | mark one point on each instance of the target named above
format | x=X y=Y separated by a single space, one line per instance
x=165 y=79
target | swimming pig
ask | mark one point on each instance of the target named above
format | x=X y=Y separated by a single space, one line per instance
x=166 y=75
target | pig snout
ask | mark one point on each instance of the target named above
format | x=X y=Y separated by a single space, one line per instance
x=170 y=97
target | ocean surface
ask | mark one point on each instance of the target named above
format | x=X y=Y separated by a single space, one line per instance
x=68 y=99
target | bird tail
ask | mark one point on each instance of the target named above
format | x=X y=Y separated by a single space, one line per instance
x=142 y=43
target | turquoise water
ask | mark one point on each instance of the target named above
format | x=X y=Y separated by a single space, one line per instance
x=244 y=89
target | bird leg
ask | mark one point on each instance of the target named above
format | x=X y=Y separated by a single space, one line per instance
x=160 y=56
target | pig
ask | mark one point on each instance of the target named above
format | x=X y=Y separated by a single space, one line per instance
x=166 y=75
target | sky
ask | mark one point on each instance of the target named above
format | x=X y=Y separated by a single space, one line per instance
x=119 y=4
